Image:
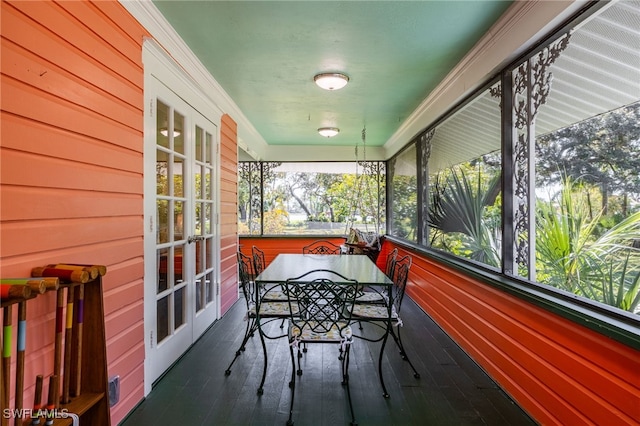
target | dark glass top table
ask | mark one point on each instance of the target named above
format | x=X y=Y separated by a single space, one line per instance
x=357 y=267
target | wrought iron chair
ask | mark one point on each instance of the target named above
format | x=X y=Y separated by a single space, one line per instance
x=325 y=306
x=387 y=315
x=391 y=262
x=245 y=272
x=322 y=247
x=259 y=262
x=275 y=294
x=259 y=312
x=368 y=295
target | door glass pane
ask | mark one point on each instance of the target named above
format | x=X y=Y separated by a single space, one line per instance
x=162 y=173
x=206 y=184
x=209 y=255
x=162 y=125
x=178 y=218
x=178 y=270
x=163 y=221
x=178 y=307
x=178 y=190
x=198 y=182
x=199 y=295
x=163 y=269
x=199 y=216
x=178 y=132
x=199 y=141
x=209 y=148
x=208 y=219
x=162 y=319
x=200 y=251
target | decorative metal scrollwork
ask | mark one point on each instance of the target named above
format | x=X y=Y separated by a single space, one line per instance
x=496 y=91
x=531 y=87
x=376 y=175
x=253 y=174
x=425 y=148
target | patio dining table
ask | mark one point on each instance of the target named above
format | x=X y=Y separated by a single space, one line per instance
x=355 y=267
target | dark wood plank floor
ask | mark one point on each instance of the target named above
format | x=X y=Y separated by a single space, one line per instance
x=452 y=389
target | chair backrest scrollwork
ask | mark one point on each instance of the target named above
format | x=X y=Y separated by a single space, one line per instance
x=399 y=278
x=245 y=272
x=322 y=247
x=325 y=302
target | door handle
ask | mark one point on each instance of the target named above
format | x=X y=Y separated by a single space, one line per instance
x=194 y=238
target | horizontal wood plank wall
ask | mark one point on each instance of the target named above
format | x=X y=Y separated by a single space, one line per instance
x=274 y=246
x=72 y=145
x=558 y=371
x=228 y=212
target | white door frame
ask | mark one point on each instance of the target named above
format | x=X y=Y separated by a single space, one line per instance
x=159 y=68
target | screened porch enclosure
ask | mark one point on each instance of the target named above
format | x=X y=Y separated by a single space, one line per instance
x=530 y=187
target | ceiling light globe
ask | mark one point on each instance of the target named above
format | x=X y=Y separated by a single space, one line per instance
x=328 y=132
x=331 y=81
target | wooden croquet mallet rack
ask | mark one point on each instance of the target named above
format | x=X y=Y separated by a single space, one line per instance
x=80 y=364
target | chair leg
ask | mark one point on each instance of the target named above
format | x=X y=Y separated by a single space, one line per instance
x=343 y=367
x=384 y=343
x=292 y=384
x=299 y=370
x=304 y=349
x=264 y=353
x=403 y=353
x=248 y=332
x=345 y=381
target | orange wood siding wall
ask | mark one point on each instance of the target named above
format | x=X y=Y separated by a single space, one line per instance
x=228 y=213
x=558 y=371
x=71 y=152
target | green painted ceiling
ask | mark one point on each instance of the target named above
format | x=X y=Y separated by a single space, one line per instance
x=265 y=53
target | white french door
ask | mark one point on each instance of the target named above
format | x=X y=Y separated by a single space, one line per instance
x=181 y=237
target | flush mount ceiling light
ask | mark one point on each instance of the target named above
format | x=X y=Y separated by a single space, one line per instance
x=331 y=81
x=328 y=132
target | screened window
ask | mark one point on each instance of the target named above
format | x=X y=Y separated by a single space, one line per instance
x=587 y=162
x=464 y=214
x=311 y=198
x=537 y=175
x=403 y=193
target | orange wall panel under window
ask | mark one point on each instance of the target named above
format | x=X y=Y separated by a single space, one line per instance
x=558 y=371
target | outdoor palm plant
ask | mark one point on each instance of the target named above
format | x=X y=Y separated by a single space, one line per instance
x=620 y=288
x=573 y=257
x=573 y=253
x=459 y=207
